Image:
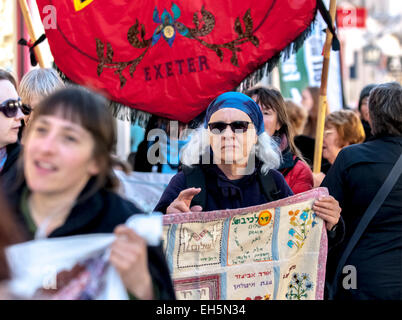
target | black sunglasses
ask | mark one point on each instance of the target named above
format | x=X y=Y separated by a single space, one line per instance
x=10 y=108
x=219 y=127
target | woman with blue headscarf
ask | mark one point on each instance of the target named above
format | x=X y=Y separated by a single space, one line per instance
x=230 y=162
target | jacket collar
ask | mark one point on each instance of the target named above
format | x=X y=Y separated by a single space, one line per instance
x=82 y=214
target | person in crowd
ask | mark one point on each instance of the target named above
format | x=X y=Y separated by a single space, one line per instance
x=297 y=173
x=66 y=187
x=12 y=111
x=157 y=137
x=310 y=101
x=342 y=128
x=306 y=142
x=297 y=116
x=36 y=85
x=354 y=179
x=364 y=111
x=230 y=163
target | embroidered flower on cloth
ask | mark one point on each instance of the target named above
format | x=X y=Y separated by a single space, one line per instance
x=168 y=25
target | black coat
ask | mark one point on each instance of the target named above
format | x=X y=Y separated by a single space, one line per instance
x=101 y=213
x=222 y=193
x=354 y=179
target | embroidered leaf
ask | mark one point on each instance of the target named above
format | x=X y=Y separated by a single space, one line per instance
x=195 y=20
x=100 y=68
x=99 y=48
x=142 y=31
x=238 y=28
x=209 y=22
x=234 y=60
x=248 y=22
x=109 y=53
x=254 y=40
x=132 y=36
x=134 y=66
x=298 y=237
x=219 y=53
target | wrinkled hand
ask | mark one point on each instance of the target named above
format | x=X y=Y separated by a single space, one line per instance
x=328 y=209
x=129 y=256
x=183 y=201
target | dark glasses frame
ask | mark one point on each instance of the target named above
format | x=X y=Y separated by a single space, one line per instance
x=10 y=108
x=236 y=126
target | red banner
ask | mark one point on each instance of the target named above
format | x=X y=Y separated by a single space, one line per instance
x=170 y=58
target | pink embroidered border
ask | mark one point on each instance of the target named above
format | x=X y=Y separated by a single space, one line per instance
x=322 y=264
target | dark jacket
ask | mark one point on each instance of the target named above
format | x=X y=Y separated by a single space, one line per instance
x=101 y=213
x=354 y=179
x=10 y=166
x=222 y=193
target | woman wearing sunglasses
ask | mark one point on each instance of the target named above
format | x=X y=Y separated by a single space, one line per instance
x=67 y=187
x=230 y=162
x=11 y=114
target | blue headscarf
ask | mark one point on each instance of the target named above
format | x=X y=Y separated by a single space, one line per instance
x=239 y=101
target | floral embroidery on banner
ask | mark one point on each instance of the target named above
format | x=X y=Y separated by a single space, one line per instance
x=299 y=286
x=301 y=226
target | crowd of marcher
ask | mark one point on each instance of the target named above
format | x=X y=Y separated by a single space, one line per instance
x=57 y=175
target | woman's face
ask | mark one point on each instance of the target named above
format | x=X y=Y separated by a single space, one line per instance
x=330 y=147
x=58 y=156
x=271 y=123
x=35 y=100
x=230 y=147
x=307 y=100
x=364 y=110
x=9 y=127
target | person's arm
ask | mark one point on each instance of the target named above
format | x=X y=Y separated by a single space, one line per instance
x=175 y=186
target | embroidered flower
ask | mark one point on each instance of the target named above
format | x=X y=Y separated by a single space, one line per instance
x=309 y=285
x=292 y=232
x=290 y=243
x=304 y=216
x=168 y=25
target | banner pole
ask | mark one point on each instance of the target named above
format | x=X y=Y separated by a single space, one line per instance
x=31 y=32
x=322 y=102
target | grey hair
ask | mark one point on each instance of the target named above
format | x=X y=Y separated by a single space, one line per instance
x=39 y=82
x=266 y=150
x=385 y=109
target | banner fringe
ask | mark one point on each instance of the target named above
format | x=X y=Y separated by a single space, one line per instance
x=255 y=77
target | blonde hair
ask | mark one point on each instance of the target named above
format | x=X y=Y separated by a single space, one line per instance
x=39 y=83
x=348 y=125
